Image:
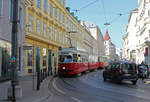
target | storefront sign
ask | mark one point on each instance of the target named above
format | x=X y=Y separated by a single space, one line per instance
x=27 y=47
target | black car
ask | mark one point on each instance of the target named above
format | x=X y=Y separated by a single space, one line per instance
x=121 y=71
x=143 y=71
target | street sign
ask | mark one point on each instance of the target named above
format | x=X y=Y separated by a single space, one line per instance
x=27 y=47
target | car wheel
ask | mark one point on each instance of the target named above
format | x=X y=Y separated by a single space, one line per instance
x=134 y=82
x=79 y=74
x=104 y=79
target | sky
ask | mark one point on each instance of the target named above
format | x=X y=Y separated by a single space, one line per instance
x=102 y=11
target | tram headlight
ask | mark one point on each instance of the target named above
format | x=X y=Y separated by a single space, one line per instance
x=64 y=68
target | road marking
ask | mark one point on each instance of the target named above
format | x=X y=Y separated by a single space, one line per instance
x=147 y=82
x=55 y=86
x=76 y=99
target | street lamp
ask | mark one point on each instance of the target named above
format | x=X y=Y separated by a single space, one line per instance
x=14 y=41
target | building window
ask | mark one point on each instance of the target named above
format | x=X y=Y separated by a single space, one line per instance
x=45 y=5
x=38 y=31
x=45 y=30
x=60 y=1
x=149 y=13
x=50 y=33
x=59 y=16
x=51 y=10
x=63 y=18
x=55 y=35
x=30 y=23
x=63 y=39
x=63 y=2
x=56 y=12
x=1 y=7
x=29 y=54
x=10 y=9
x=20 y=17
x=39 y=3
x=44 y=57
x=59 y=36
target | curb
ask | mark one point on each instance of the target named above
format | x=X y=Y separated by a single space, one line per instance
x=49 y=93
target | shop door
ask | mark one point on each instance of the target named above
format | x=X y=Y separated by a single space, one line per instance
x=50 y=61
x=37 y=59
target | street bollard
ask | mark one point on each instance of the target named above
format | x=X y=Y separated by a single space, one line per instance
x=38 y=81
x=48 y=72
x=41 y=76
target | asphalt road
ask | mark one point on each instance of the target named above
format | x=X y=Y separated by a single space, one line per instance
x=90 y=87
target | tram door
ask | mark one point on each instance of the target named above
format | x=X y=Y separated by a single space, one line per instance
x=37 y=59
x=50 y=61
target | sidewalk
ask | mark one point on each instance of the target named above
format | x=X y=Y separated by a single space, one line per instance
x=29 y=95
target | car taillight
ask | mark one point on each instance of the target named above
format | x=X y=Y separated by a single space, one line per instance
x=137 y=70
x=120 y=70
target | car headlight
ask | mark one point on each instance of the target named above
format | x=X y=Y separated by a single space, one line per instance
x=64 y=68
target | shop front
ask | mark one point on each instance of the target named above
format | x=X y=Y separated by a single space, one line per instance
x=43 y=57
x=5 y=52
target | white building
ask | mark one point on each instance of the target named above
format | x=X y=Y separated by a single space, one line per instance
x=119 y=53
x=143 y=31
x=110 y=50
x=137 y=39
x=96 y=33
x=130 y=39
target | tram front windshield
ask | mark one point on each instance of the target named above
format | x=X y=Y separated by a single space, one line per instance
x=65 y=58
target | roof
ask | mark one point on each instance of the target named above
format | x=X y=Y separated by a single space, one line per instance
x=107 y=37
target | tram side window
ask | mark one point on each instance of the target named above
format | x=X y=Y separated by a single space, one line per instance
x=65 y=58
x=68 y=59
x=61 y=58
x=75 y=58
x=79 y=58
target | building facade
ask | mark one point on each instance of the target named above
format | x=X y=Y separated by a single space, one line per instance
x=130 y=39
x=45 y=32
x=50 y=25
x=98 y=43
x=143 y=32
x=119 y=53
x=5 y=35
x=140 y=29
x=110 y=50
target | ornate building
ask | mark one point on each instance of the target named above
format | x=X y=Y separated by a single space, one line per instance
x=110 y=50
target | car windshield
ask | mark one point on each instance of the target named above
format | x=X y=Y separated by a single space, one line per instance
x=65 y=58
x=143 y=67
x=129 y=66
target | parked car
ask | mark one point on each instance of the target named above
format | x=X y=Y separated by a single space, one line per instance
x=143 y=71
x=121 y=71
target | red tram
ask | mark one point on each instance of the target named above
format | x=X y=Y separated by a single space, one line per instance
x=73 y=61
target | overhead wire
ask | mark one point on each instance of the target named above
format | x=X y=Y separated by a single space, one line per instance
x=85 y=6
x=103 y=5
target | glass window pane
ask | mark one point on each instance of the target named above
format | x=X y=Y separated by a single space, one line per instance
x=44 y=57
x=45 y=30
x=29 y=54
x=39 y=3
x=51 y=10
x=1 y=7
x=45 y=5
x=30 y=23
x=38 y=26
x=56 y=12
